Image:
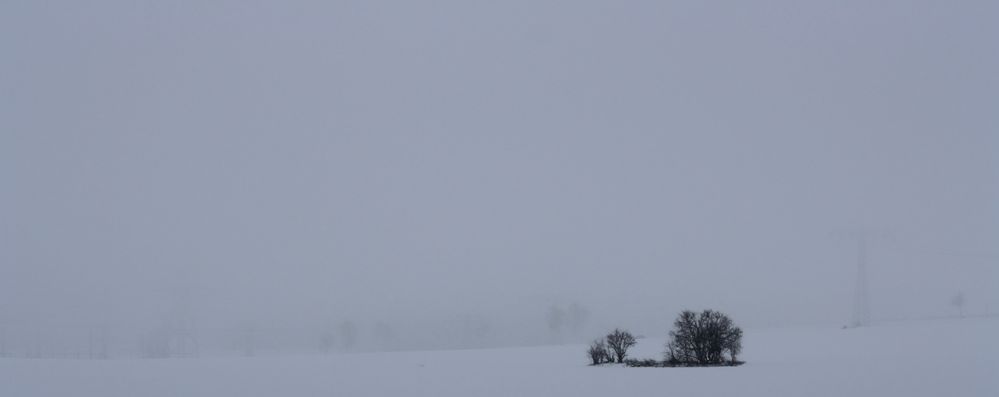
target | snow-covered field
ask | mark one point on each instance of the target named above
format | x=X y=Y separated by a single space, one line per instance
x=920 y=358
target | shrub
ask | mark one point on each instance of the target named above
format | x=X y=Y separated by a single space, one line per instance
x=703 y=339
x=631 y=362
x=599 y=353
x=619 y=342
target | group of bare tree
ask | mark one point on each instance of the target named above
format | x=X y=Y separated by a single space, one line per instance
x=611 y=348
x=708 y=338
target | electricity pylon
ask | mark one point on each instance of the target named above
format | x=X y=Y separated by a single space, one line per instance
x=861 y=298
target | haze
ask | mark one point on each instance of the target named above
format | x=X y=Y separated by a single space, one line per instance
x=454 y=169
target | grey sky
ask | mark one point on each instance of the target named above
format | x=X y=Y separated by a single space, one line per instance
x=293 y=161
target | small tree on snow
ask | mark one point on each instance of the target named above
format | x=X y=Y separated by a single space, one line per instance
x=327 y=340
x=576 y=317
x=958 y=302
x=348 y=335
x=599 y=353
x=556 y=320
x=619 y=342
x=703 y=339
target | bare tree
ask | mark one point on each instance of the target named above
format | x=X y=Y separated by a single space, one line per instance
x=958 y=302
x=385 y=335
x=703 y=339
x=619 y=342
x=3 y=341
x=348 y=335
x=327 y=340
x=155 y=343
x=599 y=353
x=475 y=330
x=733 y=343
x=576 y=317
x=97 y=343
x=247 y=339
x=556 y=321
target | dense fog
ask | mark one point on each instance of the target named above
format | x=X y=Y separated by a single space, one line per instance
x=233 y=177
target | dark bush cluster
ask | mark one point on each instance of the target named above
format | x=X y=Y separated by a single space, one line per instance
x=703 y=339
x=619 y=342
x=611 y=348
x=648 y=362
x=697 y=340
x=599 y=353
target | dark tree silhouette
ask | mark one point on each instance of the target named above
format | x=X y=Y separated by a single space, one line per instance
x=619 y=342
x=703 y=339
x=958 y=302
x=576 y=317
x=556 y=320
x=327 y=340
x=385 y=335
x=599 y=353
x=348 y=335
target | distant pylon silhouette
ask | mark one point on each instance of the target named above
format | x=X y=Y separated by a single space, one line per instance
x=861 y=302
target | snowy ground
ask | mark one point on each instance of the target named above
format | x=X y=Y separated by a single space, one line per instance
x=929 y=358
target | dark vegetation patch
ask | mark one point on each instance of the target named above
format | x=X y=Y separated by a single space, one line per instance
x=705 y=339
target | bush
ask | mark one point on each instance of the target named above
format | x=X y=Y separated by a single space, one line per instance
x=619 y=342
x=703 y=339
x=610 y=348
x=599 y=353
x=631 y=362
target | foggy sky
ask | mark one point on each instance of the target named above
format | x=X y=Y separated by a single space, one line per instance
x=290 y=163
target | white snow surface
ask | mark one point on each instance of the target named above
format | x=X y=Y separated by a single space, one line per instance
x=918 y=358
